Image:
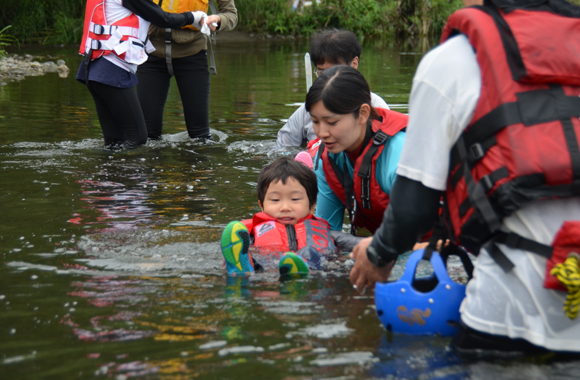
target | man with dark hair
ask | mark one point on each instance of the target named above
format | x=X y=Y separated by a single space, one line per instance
x=328 y=48
x=332 y=47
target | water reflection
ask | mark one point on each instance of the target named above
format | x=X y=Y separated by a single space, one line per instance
x=112 y=259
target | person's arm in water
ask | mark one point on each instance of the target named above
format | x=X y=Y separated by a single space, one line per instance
x=154 y=14
x=293 y=132
x=412 y=212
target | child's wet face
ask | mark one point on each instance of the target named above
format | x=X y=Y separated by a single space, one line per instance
x=288 y=202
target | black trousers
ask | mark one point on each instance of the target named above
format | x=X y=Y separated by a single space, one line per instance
x=469 y=342
x=192 y=77
x=120 y=115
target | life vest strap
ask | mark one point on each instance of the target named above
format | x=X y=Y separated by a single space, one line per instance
x=513 y=240
x=212 y=41
x=533 y=107
x=168 y=60
x=380 y=138
x=476 y=193
x=514 y=57
x=108 y=30
x=488 y=182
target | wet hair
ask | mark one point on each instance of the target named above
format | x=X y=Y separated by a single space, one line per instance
x=282 y=169
x=334 y=46
x=342 y=90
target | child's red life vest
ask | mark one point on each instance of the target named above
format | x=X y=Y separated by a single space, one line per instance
x=522 y=142
x=125 y=38
x=275 y=236
x=363 y=197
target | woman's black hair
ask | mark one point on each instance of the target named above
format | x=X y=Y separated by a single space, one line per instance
x=342 y=90
x=282 y=169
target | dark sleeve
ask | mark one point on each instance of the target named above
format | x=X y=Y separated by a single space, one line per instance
x=154 y=14
x=412 y=212
x=343 y=241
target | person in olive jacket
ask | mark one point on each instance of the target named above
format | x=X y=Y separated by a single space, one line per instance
x=183 y=53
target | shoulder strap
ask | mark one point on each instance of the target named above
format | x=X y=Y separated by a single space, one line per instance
x=212 y=41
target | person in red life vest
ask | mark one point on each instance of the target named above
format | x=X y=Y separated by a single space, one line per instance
x=358 y=151
x=494 y=111
x=114 y=44
x=287 y=192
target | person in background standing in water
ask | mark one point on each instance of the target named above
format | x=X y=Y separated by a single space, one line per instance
x=183 y=53
x=328 y=48
x=494 y=125
x=114 y=44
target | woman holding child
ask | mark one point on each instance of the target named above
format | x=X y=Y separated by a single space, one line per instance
x=358 y=151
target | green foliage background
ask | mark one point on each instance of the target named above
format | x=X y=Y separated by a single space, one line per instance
x=61 y=21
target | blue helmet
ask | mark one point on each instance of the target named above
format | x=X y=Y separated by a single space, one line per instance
x=413 y=306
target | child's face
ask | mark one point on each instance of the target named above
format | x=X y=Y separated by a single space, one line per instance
x=288 y=202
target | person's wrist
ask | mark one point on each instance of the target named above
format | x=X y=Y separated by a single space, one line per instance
x=376 y=258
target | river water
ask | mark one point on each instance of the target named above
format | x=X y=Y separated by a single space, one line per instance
x=111 y=265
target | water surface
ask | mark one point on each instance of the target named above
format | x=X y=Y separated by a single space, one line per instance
x=111 y=266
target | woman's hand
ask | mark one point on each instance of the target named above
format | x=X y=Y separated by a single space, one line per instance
x=364 y=274
x=213 y=21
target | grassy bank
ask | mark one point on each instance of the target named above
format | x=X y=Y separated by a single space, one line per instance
x=369 y=19
x=53 y=22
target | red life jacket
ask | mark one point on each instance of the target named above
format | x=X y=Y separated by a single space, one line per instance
x=364 y=199
x=274 y=236
x=126 y=38
x=522 y=142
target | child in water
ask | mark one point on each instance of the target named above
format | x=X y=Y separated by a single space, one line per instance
x=287 y=191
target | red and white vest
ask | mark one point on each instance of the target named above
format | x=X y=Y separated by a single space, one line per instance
x=126 y=38
x=274 y=236
x=363 y=197
x=522 y=143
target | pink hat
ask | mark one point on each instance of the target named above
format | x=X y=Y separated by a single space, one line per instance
x=305 y=158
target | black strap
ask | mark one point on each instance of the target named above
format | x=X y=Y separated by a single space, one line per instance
x=510 y=45
x=365 y=170
x=455 y=250
x=439 y=233
x=212 y=41
x=292 y=240
x=515 y=241
x=488 y=182
x=531 y=108
x=476 y=152
x=168 y=60
x=477 y=195
x=87 y=60
x=350 y=199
